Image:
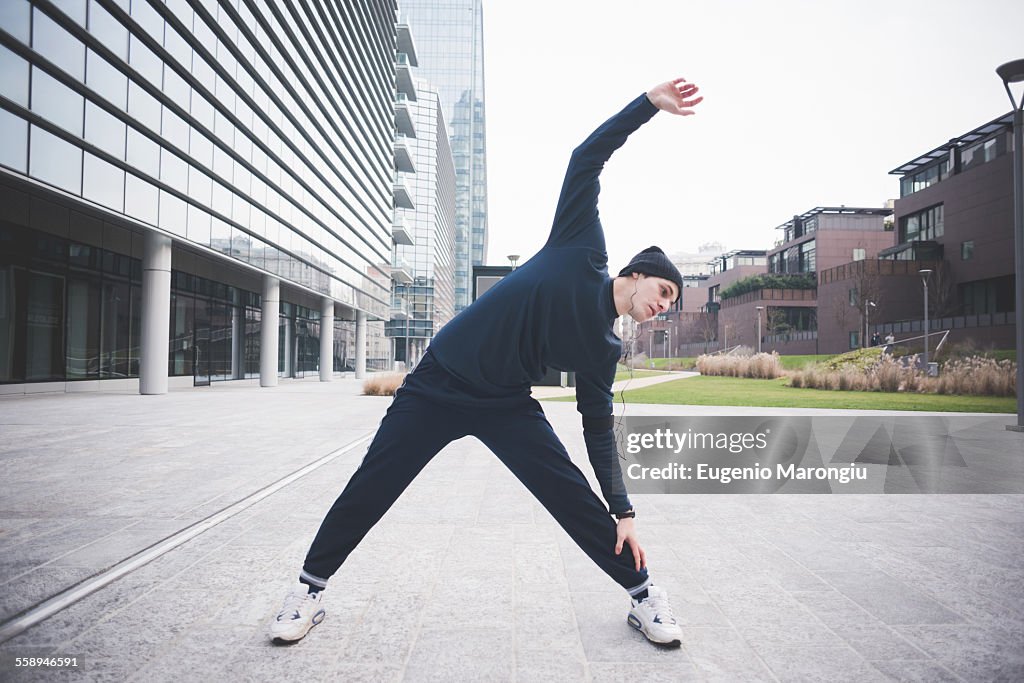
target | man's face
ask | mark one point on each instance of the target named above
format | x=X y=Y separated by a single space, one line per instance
x=653 y=295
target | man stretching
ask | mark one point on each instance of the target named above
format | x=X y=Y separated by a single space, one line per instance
x=555 y=311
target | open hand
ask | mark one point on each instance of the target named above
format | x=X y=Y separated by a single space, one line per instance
x=625 y=531
x=672 y=96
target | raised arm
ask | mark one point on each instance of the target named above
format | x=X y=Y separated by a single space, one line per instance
x=576 y=219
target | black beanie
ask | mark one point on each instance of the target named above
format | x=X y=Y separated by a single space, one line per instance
x=652 y=261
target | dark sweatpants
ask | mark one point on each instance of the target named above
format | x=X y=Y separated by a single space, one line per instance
x=429 y=411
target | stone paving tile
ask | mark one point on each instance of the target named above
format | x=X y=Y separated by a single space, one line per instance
x=461 y=655
x=974 y=653
x=538 y=667
x=32 y=588
x=889 y=599
x=916 y=672
x=825 y=664
x=720 y=654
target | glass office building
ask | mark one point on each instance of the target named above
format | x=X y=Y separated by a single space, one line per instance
x=424 y=295
x=449 y=40
x=239 y=152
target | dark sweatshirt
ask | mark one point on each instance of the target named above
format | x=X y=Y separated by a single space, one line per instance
x=556 y=310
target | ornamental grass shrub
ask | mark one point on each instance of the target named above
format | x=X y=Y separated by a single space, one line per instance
x=383 y=384
x=756 y=366
x=975 y=376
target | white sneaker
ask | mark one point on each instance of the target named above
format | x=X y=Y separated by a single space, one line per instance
x=653 y=617
x=301 y=611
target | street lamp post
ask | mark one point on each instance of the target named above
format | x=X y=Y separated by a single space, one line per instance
x=759 y=309
x=925 y=272
x=867 y=323
x=1013 y=72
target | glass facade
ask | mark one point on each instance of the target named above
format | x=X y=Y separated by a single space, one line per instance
x=449 y=43
x=272 y=120
x=257 y=134
x=421 y=307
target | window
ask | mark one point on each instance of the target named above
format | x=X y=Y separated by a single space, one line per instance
x=145 y=61
x=855 y=340
x=103 y=183
x=56 y=102
x=982 y=152
x=14 y=151
x=175 y=87
x=108 y=30
x=109 y=82
x=858 y=254
x=175 y=130
x=73 y=8
x=178 y=47
x=200 y=186
x=55 y=161
x=173 y=171
x=923 y=225
x=853 y=296
x=15 y=18
x=198 y=225
x=173 y=217
x=149 y=19
x=13 y=77
x=143 y=153
x=141 y=199
x=104 y=130
x=143 y=107
x=966 y=250
x=57 y=45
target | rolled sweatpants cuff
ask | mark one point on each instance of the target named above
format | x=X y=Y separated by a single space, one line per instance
x=635 y=590
x=314 y=580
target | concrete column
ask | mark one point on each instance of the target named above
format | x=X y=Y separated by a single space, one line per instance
x=326 y=339
x=360 y=345
x=237 y=341
x=156 y=314
x=268 y=331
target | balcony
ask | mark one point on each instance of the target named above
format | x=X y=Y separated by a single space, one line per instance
x=403 y=76
x=403 y=198
x=401 y=272
x=406 y=45
x=399 y=309
x=403 y=155
x=403 y=117
x=400 y=233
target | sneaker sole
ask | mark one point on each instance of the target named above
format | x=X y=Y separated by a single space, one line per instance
x=317 y=618
x=668 y=645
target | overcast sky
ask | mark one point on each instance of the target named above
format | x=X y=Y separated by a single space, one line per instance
x=807 y=103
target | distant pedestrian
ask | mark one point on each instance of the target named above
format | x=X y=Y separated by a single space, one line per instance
x=555 y=311
x=876 y=339
x=889 y=339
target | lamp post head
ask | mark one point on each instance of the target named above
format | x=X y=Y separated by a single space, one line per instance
x=872 y=304
x=1012 y=72
x=760 y=308
x=513 y=259
x=925 y=272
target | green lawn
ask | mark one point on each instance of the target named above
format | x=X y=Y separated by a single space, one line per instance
x=732 y=391
x=788 y=362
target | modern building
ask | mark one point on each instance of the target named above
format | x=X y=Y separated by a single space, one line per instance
x=828 y=236
x=450 y=43
x=423 y=295
x=194 y=190
x=955 y=218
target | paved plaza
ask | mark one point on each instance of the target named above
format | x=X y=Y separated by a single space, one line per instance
x=467 y=578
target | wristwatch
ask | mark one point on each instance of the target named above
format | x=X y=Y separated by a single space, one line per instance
x=628 y=514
